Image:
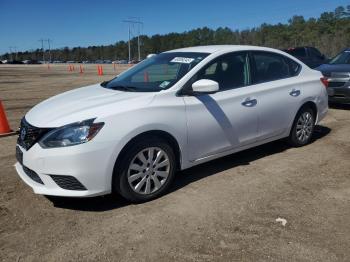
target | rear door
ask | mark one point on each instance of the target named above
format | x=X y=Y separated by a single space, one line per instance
x=278 y=94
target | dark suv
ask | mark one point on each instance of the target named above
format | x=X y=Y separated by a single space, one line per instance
x=308 y=55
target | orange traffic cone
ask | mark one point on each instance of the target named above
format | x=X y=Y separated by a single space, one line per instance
x=101 y=71
x=81 y=69
x=145 y=77
x=4 y=124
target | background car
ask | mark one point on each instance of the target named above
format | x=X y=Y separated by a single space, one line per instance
x=308 y=55
x=15 y=62
x=30 y=62
x=337 y=72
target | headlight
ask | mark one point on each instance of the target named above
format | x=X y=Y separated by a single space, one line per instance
x=72 y=134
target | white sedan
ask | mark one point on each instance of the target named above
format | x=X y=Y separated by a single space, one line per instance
x=170 y=112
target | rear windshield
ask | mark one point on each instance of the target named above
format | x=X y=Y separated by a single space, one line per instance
x=342 y=58
x=299 y=52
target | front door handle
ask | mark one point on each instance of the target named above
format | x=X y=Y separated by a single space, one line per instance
x=294 y=92
x=249 y=102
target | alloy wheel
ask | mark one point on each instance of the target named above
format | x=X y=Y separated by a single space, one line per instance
x=304 y=127
x=148 y=170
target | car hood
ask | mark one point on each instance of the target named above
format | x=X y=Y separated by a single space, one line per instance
x=328 y=69
x=84 y=103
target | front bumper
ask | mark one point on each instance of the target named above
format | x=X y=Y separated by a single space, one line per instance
x=339 y=99
x=86 y=169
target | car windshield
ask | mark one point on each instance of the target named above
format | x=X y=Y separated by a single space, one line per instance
x=156 y=73
x=342 y=58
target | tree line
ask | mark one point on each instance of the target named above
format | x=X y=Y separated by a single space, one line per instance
x=330 y=33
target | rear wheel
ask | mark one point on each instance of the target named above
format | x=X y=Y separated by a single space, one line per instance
x=146 y=170
x=303 y=127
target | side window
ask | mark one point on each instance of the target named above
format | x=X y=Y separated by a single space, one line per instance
x=269 y=67
x=230 y=71
x=210 y=71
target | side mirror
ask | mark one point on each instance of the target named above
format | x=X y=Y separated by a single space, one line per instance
x=205 y=86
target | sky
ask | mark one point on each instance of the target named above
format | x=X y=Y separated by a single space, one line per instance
x=99 y=22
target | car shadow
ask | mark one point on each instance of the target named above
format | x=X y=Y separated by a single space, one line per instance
x=219 y=115
x=183 y=178
x=93 y=204
x=339 y=106
x=244 y=157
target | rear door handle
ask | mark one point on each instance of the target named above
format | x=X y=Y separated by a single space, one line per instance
x=294 y=92
x=249 y=102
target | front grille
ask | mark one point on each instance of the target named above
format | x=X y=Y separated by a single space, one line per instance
x=335 y=84
x=327 y=74
x=68 y=182
x=29 y=135
x=339 y=95
x=34 y=176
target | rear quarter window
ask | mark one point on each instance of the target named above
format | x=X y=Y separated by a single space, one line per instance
x=294 y=67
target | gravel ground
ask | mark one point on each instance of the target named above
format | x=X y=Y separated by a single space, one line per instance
x=224 y=210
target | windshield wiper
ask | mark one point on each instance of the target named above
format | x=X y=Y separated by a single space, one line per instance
x=104 y=83
x=124 y=88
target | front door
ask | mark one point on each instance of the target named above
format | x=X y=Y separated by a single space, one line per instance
x=227 y=119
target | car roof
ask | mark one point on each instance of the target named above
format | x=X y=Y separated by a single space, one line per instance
x=216 y=48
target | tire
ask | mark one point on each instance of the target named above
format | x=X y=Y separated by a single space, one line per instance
x=149 y=176
x=303 y=127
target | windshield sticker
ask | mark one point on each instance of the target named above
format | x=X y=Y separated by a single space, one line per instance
x=164 y=84
x=182 y=60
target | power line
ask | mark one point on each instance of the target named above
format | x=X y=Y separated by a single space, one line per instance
x=132 y=22
x=48 y=42
x=42 y=48
x=11 y=52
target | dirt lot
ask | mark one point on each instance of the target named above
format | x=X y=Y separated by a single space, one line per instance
x=224 y=210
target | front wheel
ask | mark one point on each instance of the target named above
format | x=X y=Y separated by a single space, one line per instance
x=146 y=170
x=303 y=127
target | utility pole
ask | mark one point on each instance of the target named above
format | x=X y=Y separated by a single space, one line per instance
x=13 y=49
x=42 y=48
x=138 y=41
x=132 y=22
x=129 y=46
x=11 y=58
x=48 y=42
x=16 y=53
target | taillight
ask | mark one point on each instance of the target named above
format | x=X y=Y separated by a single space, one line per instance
x=325 y=81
